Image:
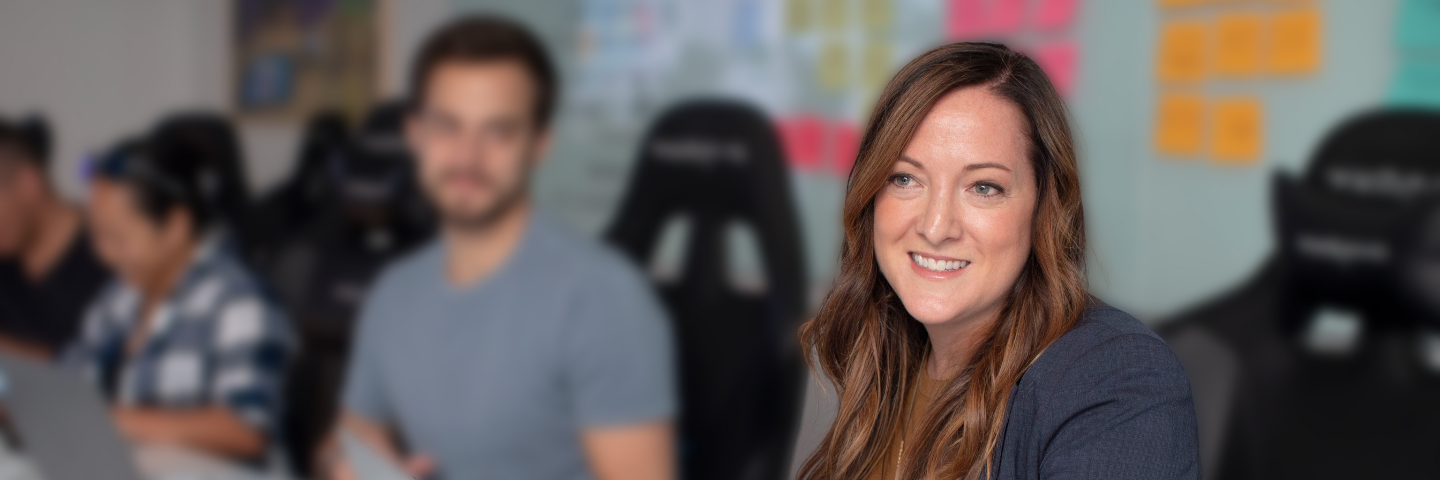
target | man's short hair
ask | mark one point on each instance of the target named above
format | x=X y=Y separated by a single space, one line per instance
x=28 y=137
x=487 y=38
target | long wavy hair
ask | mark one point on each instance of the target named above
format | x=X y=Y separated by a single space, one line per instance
x=869 y=346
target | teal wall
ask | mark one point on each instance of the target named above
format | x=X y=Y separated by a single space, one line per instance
x=1165 y=234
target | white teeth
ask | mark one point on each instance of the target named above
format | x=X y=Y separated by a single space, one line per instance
x=938 y=265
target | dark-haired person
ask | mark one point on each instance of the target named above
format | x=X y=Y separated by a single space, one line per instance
x=48 y=273
x=960 y=335
x=184 y=344
x=510 y=347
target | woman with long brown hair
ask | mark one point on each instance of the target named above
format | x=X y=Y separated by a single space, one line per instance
x=960 y=335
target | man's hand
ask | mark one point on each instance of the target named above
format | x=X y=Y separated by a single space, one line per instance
x=632 y=452
x=216 y=430
x=336 y=467
x=417 y=467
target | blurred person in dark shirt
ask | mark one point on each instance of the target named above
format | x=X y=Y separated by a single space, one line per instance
x=511 y=347
x=48 y=273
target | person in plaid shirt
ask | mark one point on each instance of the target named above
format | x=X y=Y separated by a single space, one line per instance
x=184 y=343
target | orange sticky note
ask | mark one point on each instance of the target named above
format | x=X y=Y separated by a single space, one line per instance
x=1180 y=124
x=1182 y=52
x=1238 y=132
x=1237 y=44
x=1295 y=42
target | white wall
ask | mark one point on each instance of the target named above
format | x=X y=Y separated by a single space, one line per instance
x=102 y=69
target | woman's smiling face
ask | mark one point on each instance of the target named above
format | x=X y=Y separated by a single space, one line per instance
x=953 y=221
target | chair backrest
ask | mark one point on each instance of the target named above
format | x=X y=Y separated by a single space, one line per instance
x=1347 y=227
x=718 y=162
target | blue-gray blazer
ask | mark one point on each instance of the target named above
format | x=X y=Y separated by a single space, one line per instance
x=1106 y=401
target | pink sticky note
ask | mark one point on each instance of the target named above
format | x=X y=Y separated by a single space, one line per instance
x=844 y=146
x=803 y=138
x=1006 y=16
x=1059 y=61
x=1056 y=14
x=965 y=19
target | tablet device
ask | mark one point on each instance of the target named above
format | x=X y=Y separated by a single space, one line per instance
x=62 y=423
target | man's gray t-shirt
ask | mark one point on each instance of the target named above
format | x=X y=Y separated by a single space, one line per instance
x=496 y=380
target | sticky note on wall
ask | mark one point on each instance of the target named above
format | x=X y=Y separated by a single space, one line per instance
x=875 y=63
x=964 y=19
x=1238 y=38
x=834 y=14
x=877 y=15
x=1182 y=52
x=1056 y=14
x=1005 y=16
x=1295 y=44
x=844 y=145
x=1238 y=131
x=1415 y=84
x=799 y=16
x=1059 y=61
x=803 y=138
x=1418 y=25
x=1180 y=124
x=833 y=65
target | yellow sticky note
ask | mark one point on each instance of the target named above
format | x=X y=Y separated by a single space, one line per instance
x=875 y=64
x=833 y=69
x=1180 y=124
x=834 y=15
x=1237 y=44
x=1182 y=52
x=1238 y=133
x=799 y=16
x=1295 y=42
x=877 y=14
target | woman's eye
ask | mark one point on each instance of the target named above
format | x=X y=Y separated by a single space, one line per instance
x=986 y=190
x=902 y=180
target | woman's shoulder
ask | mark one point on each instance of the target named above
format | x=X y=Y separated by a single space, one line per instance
x=1107 y=346
x=1107 y=400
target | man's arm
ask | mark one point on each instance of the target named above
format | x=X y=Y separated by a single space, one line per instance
x=24 y=348
x=643 y=451
x=216 y=430
x=378 y=437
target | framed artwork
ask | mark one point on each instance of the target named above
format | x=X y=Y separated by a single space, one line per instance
x=295 y=57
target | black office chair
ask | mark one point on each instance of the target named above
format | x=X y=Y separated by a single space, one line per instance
x=741 y=373
x=1272 y=404
x=363 y=218
x=276 y=217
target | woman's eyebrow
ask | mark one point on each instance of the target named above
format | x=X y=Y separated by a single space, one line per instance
x=912 y=161
x=977 y=166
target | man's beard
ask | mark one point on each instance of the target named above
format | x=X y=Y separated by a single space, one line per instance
x=507 y=201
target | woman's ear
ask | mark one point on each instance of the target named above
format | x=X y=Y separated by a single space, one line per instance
x=178 y=228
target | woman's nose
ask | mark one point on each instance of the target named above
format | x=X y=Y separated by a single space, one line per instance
x=941 y=220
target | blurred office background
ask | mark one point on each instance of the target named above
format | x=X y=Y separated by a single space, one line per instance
x=1185 y=109
x=1168 y=230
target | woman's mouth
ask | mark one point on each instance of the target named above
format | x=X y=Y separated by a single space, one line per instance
x=937 y=265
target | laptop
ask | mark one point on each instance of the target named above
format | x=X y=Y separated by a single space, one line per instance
x=62 y=424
